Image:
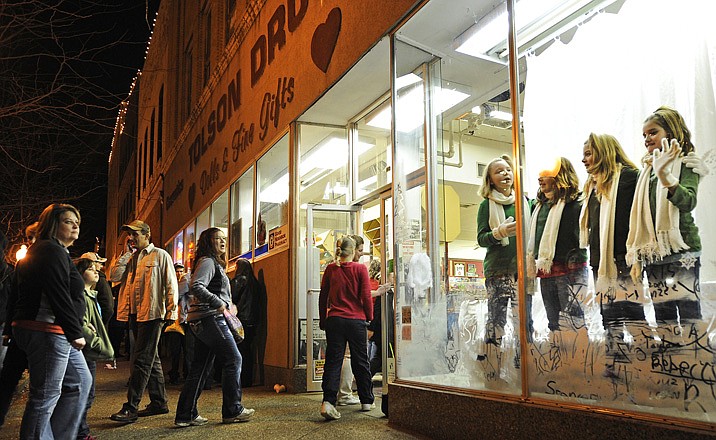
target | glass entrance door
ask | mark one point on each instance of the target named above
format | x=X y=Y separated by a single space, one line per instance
x=324 y=225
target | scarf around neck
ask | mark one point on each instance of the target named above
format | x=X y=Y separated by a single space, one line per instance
x=497 y=212
x=607 y=272
x=548 y=241
x=650 y=239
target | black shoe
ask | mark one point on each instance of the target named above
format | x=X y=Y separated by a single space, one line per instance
x=125 y=416
x=152 y=409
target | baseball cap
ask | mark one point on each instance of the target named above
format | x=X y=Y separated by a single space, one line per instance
x=137 y=225
x=94 y=257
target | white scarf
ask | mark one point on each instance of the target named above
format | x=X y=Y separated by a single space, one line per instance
x=647 y=243
x=547 y=243
x=607 y=273
x=497 y=210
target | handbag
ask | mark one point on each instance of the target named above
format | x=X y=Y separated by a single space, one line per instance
x=235 y=326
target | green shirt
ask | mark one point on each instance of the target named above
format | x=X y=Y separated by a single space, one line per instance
x=684 y=198
x=499 y=260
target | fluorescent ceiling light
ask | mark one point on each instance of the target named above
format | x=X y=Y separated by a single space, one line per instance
x=407 y=80
x=498 y=114
x=372 y=180
x=410 y=108
x=380 y=120
x=277 y=192
x=335 y=148
x=449 y=98
x=537 y=22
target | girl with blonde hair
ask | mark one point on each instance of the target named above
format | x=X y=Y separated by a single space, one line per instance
x=554 y=252
x=609 y=191
x=496 y=230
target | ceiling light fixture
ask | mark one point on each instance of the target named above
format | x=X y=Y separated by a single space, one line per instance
x=537 y=21
x=410 y=114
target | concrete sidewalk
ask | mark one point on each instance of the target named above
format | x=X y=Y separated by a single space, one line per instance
x=278 y=416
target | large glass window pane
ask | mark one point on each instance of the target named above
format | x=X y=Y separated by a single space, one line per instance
x=272 y=179
x=372 y=150
x=242 y=211
x=178 y=248
x=617 y=299
x=634 y=337
x=190 y=245
x=462 y=296
x=322 y=170
x=323 y=165
x=203 y=221
x=220 y=212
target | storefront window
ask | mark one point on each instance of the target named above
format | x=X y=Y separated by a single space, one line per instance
x=635 y=337
x=457 y=287
x=372 y=150
x=272 y=181
x=242 y=211
x=323 y=174
x=220 y=212
x=178 y=248
x=609 y=299
x=190 y=245
x=323 y=165
x=203 y=222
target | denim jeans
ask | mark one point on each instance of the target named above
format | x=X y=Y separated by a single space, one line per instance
x=146 y=367
x=59 y=385
x=340 y=331
x=212 y=338
x=84 y=426
x=501 y=290
x=561 y=294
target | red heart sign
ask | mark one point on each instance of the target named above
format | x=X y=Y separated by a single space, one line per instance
x=324 y=40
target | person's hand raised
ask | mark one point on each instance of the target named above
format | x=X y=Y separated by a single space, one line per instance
x=663 y=160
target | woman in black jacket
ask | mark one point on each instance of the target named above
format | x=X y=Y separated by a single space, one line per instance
x=47 y=324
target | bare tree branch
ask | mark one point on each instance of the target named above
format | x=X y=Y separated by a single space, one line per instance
x=65 y=67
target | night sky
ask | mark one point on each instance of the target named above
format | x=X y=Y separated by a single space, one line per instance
x=65 y=67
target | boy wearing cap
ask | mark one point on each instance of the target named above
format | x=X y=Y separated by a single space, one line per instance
x=105 y=301
x=147 y=297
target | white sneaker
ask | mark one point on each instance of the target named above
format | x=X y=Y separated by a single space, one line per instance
x=329 y=412
x=348 y=400
x=243 y=416
x=198 y=421
x=367 y=406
